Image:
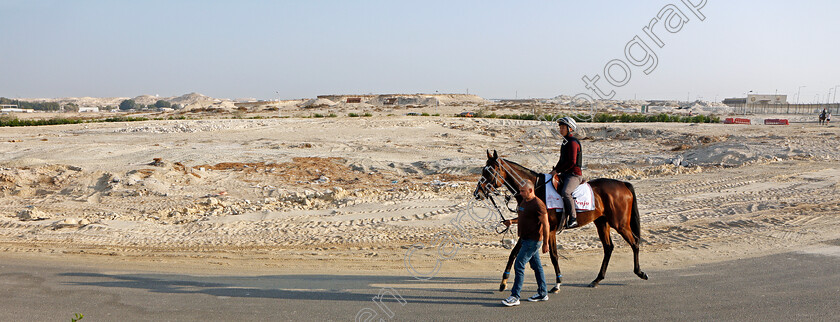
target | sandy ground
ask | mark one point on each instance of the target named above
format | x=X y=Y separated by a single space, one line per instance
x=354 y=193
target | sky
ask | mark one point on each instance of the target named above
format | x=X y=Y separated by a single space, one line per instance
x=494 y=49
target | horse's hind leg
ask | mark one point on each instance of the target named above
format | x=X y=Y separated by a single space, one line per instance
x=634 y=244
x=604 y=234
x=506 y=274
x=552 y=246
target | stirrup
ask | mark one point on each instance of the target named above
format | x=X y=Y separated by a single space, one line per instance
x=571 y=224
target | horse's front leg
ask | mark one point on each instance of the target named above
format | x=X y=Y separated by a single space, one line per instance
x=506 y=274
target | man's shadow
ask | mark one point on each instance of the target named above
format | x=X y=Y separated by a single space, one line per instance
x=354 y=288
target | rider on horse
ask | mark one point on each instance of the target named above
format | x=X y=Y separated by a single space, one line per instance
x=568 y=169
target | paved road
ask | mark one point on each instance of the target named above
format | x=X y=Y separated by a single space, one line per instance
x=789 y=286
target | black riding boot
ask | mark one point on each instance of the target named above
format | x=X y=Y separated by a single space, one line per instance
x=570 y=214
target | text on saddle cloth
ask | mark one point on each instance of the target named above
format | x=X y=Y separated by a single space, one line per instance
x=583 y=196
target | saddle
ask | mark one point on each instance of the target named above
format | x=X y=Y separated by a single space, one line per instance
x=555 y=181
x=583 y=194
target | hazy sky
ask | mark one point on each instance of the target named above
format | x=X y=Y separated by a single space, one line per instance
x=495 y=49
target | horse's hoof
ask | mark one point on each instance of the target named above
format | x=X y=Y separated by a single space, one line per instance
x=643 y=275
x=502 y=287
x=554 y=290
x=593 y=284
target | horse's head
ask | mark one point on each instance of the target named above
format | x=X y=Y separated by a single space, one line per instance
x=492 y=177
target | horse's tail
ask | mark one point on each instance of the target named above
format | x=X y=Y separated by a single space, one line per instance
x=635 y=225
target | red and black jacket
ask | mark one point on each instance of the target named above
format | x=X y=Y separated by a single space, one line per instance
x=571 y=157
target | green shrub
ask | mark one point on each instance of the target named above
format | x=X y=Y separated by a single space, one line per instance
x=609 y=118
x=55 y=121
x=661 y=117
x=43 y=106
x=510 y=116
x=6 y=121
x=128 y=104
x=122 y=119
x=162 y=104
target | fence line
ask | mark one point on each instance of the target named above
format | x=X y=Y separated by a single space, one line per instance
x=785 y=108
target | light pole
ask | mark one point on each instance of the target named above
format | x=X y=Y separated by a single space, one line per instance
x=279 y=113
x=835 y=98
x=799 y=91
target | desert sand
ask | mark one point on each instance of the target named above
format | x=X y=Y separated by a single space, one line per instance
x=351 y=193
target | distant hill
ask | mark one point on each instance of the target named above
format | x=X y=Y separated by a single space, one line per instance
x=192 y=100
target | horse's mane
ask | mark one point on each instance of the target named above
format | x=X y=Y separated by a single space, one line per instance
x=521 y=167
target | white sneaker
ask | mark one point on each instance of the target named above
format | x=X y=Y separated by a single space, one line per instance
x=511 y=301
x=537 y=297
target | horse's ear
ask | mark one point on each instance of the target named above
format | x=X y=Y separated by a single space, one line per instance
x=488 y=155
x=495 y=155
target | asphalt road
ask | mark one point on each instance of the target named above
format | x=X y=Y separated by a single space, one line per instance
x=783 y=287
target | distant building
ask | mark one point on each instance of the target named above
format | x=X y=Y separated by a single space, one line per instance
x=735 y=101
x=663 y=103
x=404 y=99
x=520 y=101
x=88 y=109
x=16 y=110
x=756 y=99
x=256 y=104
x=762 y=99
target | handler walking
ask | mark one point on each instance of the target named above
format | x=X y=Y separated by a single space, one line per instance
x=533 y=230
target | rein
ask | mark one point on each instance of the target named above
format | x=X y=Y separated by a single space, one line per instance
x=499 y=210
x=508 y=197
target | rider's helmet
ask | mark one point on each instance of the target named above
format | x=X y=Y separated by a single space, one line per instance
x=568 y=121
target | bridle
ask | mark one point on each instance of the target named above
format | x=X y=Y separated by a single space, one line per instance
x=489 y=193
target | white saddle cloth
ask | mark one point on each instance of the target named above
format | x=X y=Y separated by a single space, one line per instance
x=584 y=201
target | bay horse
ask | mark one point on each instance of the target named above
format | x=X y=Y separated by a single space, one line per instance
x=615 y=206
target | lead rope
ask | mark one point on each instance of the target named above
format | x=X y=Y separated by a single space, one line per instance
x=508 y=238
x=499 y=210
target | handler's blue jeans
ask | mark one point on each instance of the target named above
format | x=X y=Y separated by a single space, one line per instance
x=530 y=252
